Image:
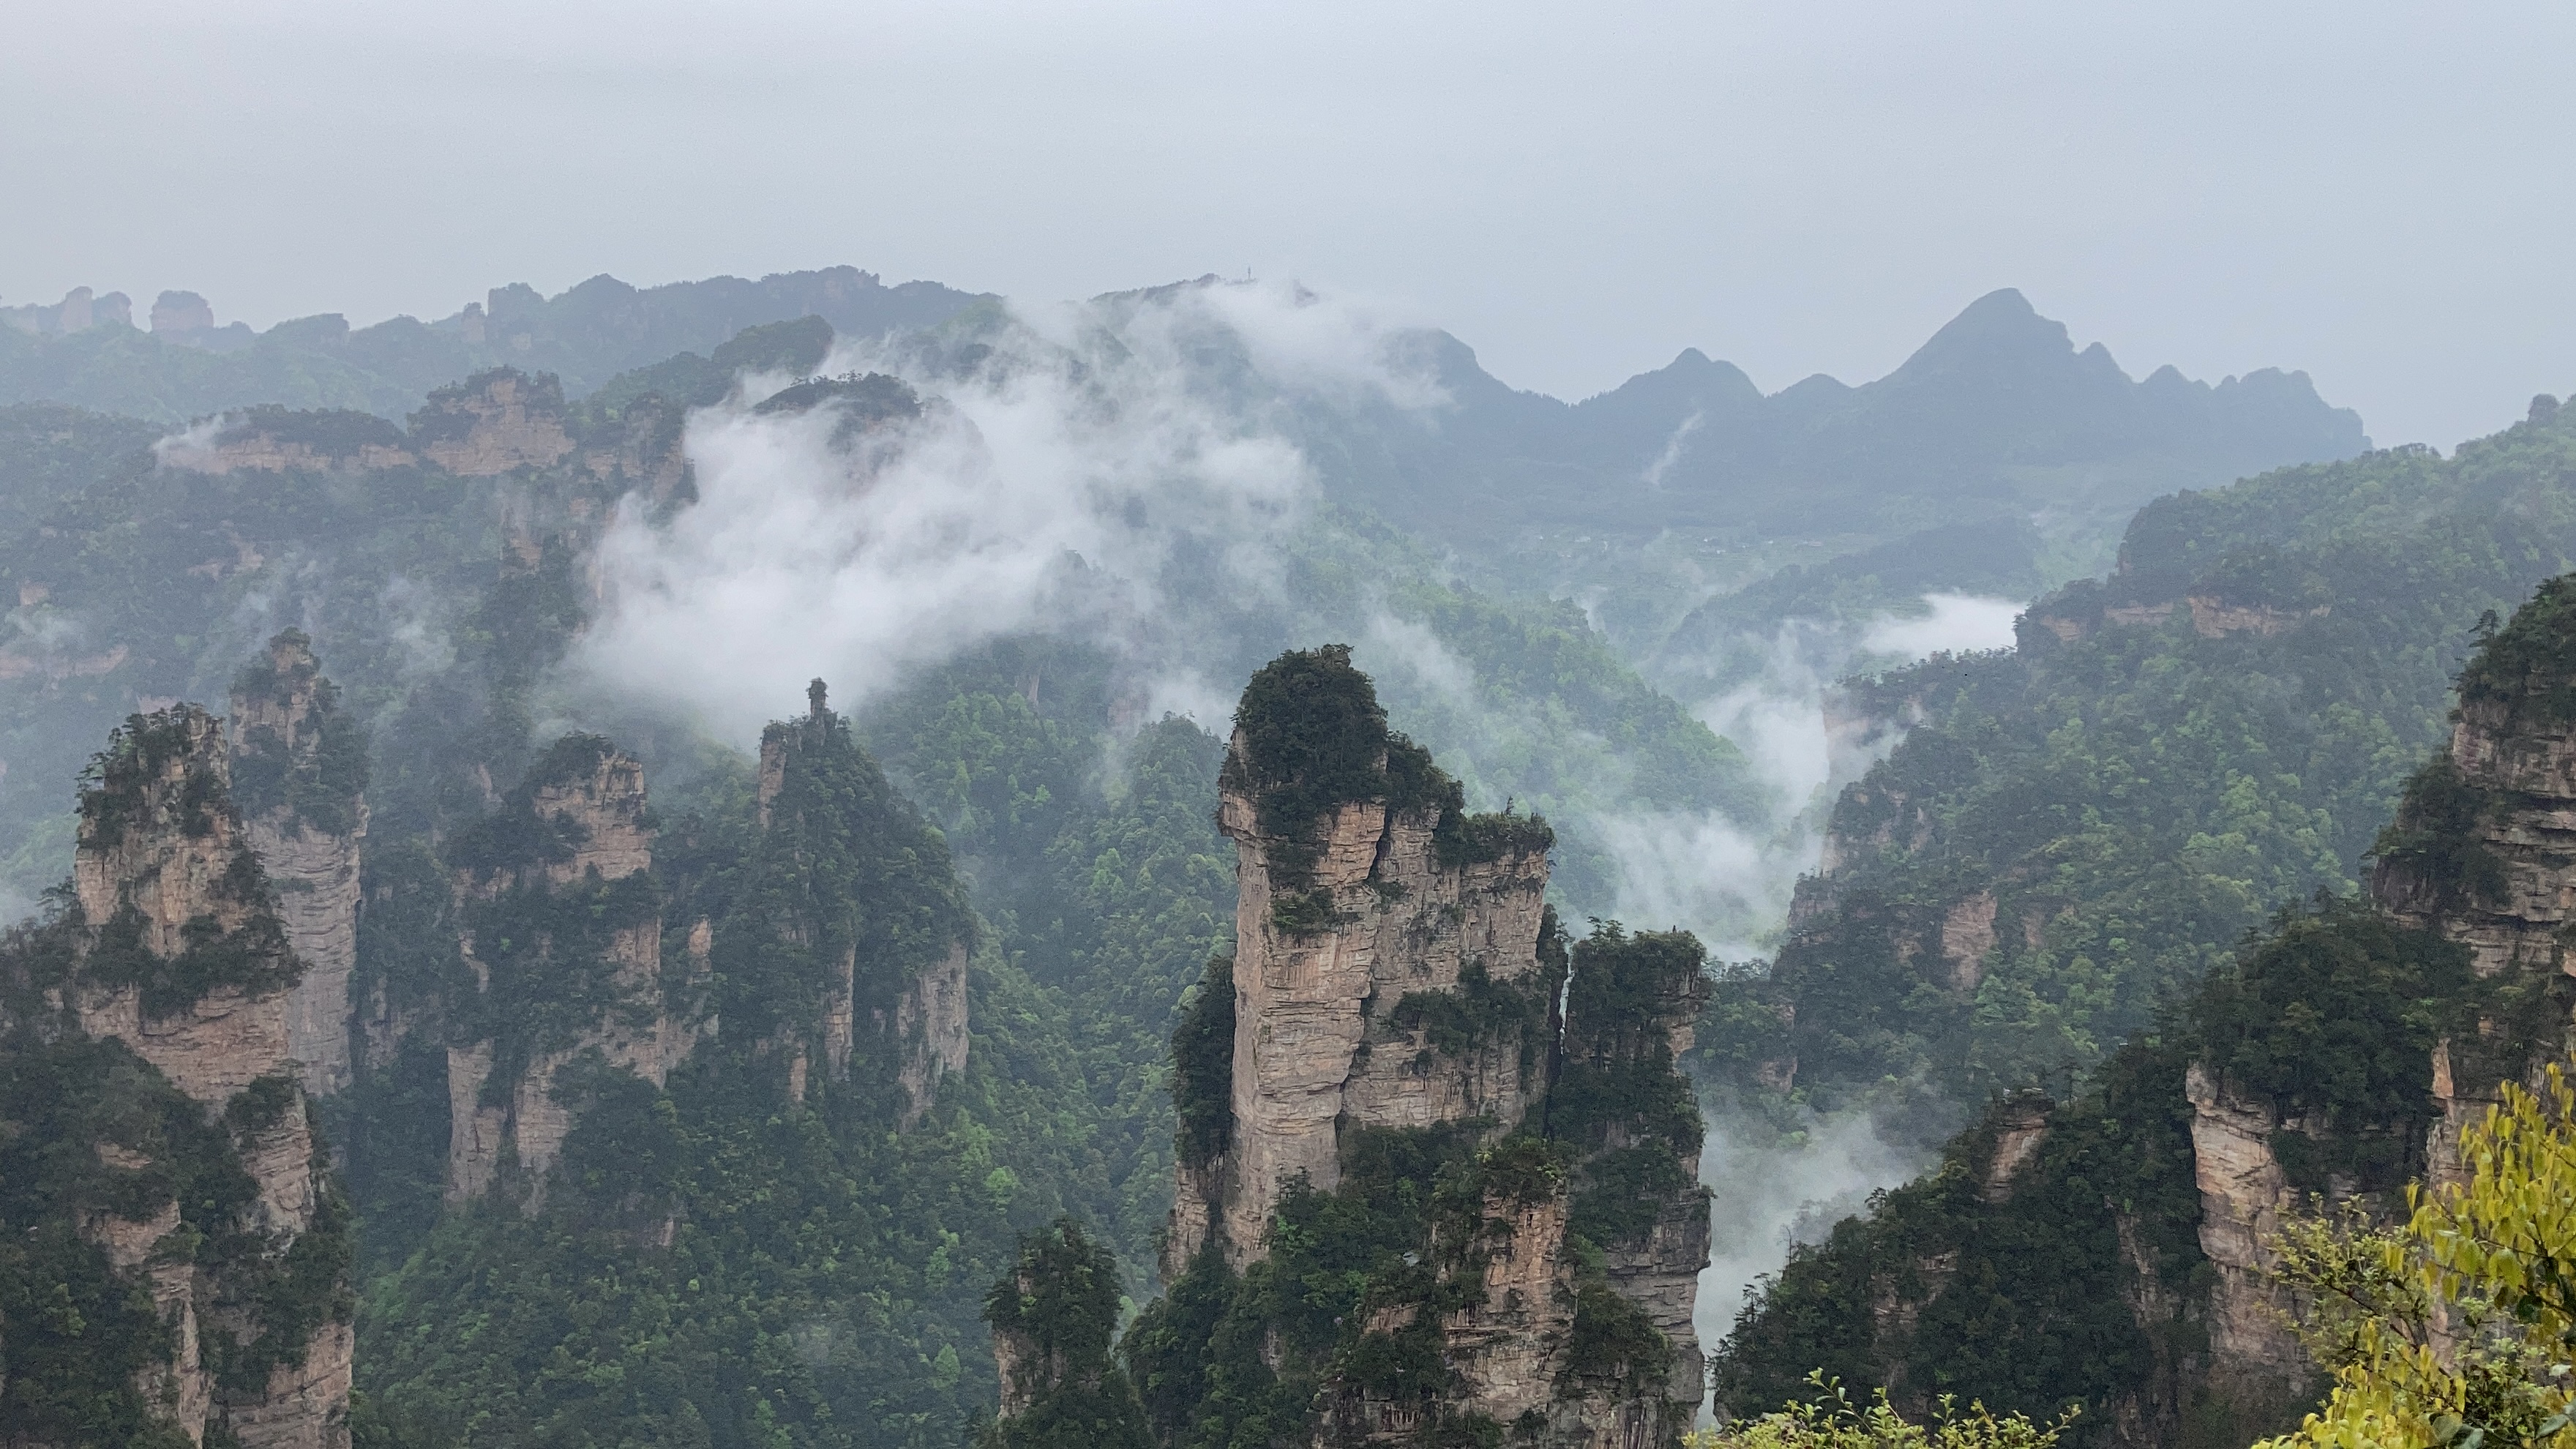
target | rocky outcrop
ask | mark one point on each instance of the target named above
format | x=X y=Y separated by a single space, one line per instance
x=1630 y=1012
x=278 y=440
x=562 y=924
x=494 y=423
x=1967 y=934
x=78 y=311
x=2021 y=1126
x=1400 y=994
x=1322 y=1044
x=2504 y=884
x=163 y=868
x=930 y=1026
x=2484 y=854
x=1508 y=1343
x=2214 y=618
x=299 y=770
x=2243 y=1194
x=181 y=312
x=181 y=956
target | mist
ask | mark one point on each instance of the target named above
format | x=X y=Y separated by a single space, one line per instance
x=1050 y=490
x=1777 y=1190
x=1044 y=492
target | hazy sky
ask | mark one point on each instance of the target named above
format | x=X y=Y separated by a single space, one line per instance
x=2378 y=193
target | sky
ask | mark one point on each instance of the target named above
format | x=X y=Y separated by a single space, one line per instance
x=2376 y=193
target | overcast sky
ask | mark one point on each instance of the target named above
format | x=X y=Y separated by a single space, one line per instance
x=2378 y=193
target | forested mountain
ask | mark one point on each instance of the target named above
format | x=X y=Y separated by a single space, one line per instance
x=1998 y=418
x=685 y=1079
x=2089 y=823
x=753 y=1026
x=2120 y=865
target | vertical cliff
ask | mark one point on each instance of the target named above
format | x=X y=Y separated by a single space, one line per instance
x=160 y=1163
x=1377 y=1093
x=299 y=770
x=2483 y=852
x=1629 y=1114
x=858 y=925
x=561 y=922
x=1387 y=972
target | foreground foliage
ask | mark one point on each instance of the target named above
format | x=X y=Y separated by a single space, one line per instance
x=1829 y=1420
x=2455 y=1328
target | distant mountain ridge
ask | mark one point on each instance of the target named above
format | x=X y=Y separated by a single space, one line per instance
x=1998 y=412
x=187 y=368
x=1998 y=459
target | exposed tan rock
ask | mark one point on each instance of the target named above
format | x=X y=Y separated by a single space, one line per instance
x=2068 y=630
x=1508 y=1349
x=182 y=312
x=2215 y=619
x=475 y=1132
x=493 y=424
x=165 y=858
x=930 y=1022
x=1967 y=935
x=162 y=861
x=1660 y=1275
x=1305 y=1005
x=2243 y=1194
x=2018 y=1138
x=304 y=1406
x=315 y=871
x=645 y=456
x=131 y=1245
x=922 y=1020
x=1510 y=1343
x=271 y=440
x=2533 y=762
x=2138 y=613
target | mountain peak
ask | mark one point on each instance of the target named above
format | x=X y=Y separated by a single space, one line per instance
x=2000 y=328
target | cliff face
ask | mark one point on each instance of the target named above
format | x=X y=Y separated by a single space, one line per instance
x=493 y=423
x=563 y=933
x=2484 y=854
x=299 y=775
x=1620 y=1101
x=1324 y=1043
x=176 y=954
x=1389 y=1049
x=2244 y=1195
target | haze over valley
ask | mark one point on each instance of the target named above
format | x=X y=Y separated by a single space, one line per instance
x=890 y=859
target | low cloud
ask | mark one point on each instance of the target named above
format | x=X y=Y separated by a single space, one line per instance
x=1042 y=490
x=1957 y=623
